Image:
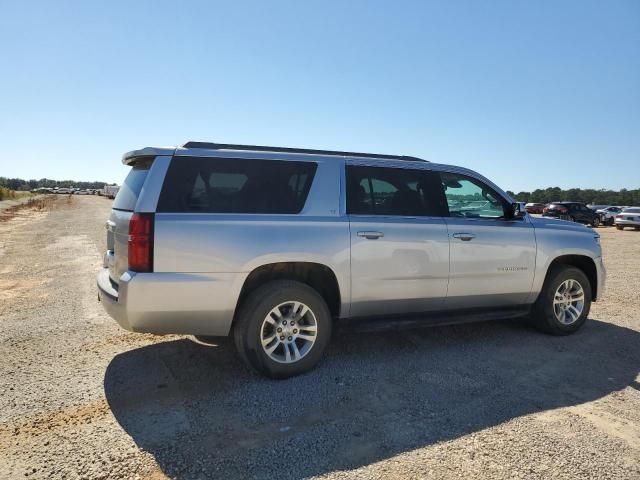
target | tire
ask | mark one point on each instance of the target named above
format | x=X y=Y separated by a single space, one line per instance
x=619 y=227
x=544 y=315
x=596 y=222
x=252 y=325
x=572 y=219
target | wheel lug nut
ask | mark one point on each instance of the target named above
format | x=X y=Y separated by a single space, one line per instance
x=279 y=330
x=289 y=339
x=284 y=322
x=282 y=337
x=295 y=330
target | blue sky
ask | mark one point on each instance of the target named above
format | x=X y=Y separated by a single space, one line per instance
x=530 y=93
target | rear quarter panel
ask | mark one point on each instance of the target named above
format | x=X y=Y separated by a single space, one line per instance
x=214 y=243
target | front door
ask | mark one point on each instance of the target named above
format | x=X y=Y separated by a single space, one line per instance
x=399 y=242
x=492 y=256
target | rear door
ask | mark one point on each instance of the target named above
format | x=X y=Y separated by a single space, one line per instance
x=492 y=257
x=399 y=243
x=586 y=213
x=576 y=212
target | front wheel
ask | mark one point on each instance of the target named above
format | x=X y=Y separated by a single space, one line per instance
x=282 y=329
x=564 y=303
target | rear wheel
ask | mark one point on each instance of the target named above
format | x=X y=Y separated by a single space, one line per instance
x=564 y=303
x=282 y=329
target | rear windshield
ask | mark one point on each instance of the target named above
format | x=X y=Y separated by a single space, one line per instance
x=127 y=196
x=235 y=185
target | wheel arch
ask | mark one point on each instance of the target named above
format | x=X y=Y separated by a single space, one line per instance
x=318 y=276
x=582 y=262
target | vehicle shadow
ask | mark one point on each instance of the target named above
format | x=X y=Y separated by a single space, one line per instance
x=199 y=412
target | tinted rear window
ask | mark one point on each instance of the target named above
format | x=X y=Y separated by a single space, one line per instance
x=235 y=185
x=127 y=196
x=393 y=192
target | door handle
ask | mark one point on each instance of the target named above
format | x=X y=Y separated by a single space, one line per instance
x=371 y=235
x=465 y=237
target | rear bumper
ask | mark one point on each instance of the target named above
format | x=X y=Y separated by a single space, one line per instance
x=627 y=223
x=111 y=300
x=163 y=303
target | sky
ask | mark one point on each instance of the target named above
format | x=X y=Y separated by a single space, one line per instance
x=531 y=94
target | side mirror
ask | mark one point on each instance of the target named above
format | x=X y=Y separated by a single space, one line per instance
x=519 y=210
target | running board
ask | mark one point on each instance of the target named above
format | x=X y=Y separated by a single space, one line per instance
x=431 y=319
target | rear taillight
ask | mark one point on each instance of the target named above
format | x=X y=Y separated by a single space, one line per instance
x=618 y=216
x=141 y=242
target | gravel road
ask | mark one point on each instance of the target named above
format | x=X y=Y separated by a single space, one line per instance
x=82 y=398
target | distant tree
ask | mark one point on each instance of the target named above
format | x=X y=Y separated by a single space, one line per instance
x=590 y=196
x=20 y=184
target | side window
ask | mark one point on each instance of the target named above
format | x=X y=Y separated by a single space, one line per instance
x=470 y=198
x=392 y=192
x=235 y=185
x=128 y=194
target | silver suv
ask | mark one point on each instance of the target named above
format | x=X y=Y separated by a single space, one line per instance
x=275 y=246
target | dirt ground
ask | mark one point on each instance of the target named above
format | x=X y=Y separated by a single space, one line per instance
x=82 y=398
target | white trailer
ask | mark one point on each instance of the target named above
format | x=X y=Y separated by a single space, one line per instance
x=110 y=191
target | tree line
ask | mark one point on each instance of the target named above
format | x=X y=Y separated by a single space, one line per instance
x=25 y=185
x=589 y=196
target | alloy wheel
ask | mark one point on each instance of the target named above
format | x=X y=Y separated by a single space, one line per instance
x=568 y=302
x=288 y=332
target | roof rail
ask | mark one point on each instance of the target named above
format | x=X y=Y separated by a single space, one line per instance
x=261 y=148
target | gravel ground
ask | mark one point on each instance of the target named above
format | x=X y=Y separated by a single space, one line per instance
x=82 y=398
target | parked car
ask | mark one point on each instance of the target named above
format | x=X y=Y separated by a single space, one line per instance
x=276 y=246
x=534 y=207
x=629 y=217
x=608 y=214
x=572 y=211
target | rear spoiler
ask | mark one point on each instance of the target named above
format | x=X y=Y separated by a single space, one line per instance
x=133 y=156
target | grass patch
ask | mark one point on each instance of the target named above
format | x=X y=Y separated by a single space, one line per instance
x=38 y=203
x=6 y=194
